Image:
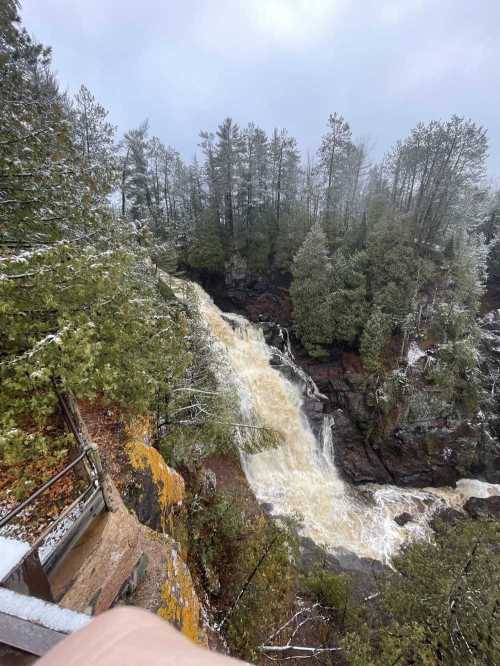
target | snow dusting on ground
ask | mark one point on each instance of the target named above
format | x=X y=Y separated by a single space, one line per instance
x=26 y=531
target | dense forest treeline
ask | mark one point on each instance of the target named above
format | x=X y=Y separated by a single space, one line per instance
x=374 y=253
x=370 y=246
x=372 y=250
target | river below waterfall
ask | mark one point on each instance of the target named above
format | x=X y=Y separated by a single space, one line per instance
x=299 y=478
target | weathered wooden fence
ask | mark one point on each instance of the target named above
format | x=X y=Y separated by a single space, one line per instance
x=26 y=602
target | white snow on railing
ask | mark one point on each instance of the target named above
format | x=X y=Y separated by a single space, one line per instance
x=41 y=612
x=58 y=532
x=12 y=552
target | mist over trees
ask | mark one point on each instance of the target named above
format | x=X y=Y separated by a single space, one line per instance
x=400 y=238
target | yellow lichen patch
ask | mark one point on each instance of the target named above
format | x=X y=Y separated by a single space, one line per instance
x=180 y=605
x=169 y=484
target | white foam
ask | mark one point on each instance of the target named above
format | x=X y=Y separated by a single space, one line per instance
x=414 y=353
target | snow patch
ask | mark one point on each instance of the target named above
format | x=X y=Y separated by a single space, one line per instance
x=58 y=532
x=41 y=612
x=12 y=552
x=414 y=353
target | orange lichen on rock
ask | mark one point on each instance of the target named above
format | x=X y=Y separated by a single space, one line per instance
x=179 y=604
x=169 y=484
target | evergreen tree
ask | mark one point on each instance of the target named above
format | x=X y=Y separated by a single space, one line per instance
x=439 y=607
x=138 y=186
x=284 y=173
x=94 y=137
x=392 y=268
x=333 y=159
x=74 y=290
x=228 y=165
x=310 y=291
x=294 y=227
x=348 y=296
x=430 y=171
x=373 y=341
x=206 y=252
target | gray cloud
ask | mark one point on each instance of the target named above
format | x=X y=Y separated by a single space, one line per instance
x=383 y=64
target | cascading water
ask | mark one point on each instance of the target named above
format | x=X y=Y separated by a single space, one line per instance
x=299 y=477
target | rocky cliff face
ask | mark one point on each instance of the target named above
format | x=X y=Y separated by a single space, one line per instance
x=257 y=298
x=155 y=491
x=149 y=504
x=435 y=451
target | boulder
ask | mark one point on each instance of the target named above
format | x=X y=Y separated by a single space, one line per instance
x=274 y=335
x=359 y=463
x=483 y=507
x=445 y=518
x=403 y=518
x=155 y=489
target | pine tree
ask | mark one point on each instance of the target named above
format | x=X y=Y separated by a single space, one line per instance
x=373 y=341
x=206 y=252
x=310 y=291
x=348 y=296
x=228 y=164
x=77 y=304
x=431 y=169
x=333 y=160
x=94 y=137
x=138 y=186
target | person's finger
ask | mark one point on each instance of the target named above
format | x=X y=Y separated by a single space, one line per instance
x=130 y=637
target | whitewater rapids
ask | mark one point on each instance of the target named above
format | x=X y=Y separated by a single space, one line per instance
x=299 y=478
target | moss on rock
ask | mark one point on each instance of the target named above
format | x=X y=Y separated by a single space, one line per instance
x=157 y=489
x=179 y=603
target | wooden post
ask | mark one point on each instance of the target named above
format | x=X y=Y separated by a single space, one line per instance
x=77 y=426
x=100 y=475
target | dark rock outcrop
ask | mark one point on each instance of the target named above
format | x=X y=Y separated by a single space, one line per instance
x=483 y=507
x=435 y=452
x=417 y=456
x=359 y=462
x=403 y=518
x=446 y=518
x=257 y=298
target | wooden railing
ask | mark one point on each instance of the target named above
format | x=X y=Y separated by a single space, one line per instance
x=31 y=499
x=25 y=593
x=29 y=575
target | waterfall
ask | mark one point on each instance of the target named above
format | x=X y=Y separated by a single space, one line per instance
x=299 y=478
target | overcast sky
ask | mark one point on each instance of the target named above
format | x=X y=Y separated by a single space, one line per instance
x=187 y=64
